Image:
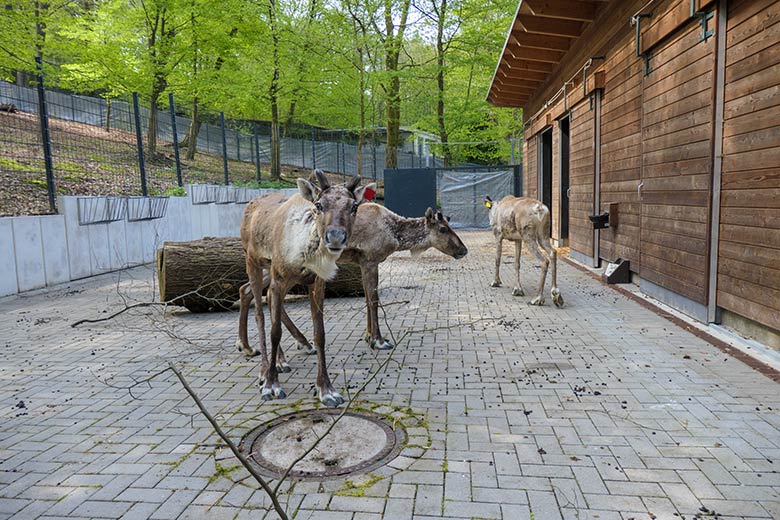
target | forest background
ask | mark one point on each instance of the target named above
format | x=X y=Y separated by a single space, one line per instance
x=359 y=65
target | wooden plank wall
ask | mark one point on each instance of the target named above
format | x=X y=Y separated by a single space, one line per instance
x=677 y=114
x=749 y=248
x=621 y=142
x=530 y=166
x=581 y=178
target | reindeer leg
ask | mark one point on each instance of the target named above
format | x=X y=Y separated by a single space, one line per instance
x=541 y=255
x=497 y=280
x=303 y=343
x=370 y=286
x=518 y=290
x=245 y=299
x=255 y=283
x=281 y=361
x=557 y=298
x=328 y=396
x=271 y=388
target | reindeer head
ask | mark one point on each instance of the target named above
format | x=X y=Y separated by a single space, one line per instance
x=442 y=237
x=334 y=209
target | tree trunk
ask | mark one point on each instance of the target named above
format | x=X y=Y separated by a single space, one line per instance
x=191 y=140
x=273 y=93
x=206 y=274
x=440 y=83
x=108 y=115
x=393 y=123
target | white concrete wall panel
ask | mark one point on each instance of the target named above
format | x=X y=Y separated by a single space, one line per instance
x=55 y=249
x=8 y=282
x=99 y=252
x=28 y=244
x=78 y=239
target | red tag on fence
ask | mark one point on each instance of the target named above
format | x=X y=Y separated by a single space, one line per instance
x=369 y=194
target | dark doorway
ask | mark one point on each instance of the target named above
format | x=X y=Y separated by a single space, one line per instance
x=564 y=235
x=545 y=169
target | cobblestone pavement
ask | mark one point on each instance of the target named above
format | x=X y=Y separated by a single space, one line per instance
x=601 y=410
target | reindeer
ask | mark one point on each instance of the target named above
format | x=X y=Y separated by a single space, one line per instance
x=377 y=233
x=522 y=219
x=298 y=240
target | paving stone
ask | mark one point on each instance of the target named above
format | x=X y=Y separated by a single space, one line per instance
x=495 y=399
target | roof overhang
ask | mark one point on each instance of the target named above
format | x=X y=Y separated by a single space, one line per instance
x=542 y=32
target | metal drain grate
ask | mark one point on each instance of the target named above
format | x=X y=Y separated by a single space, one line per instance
x=360 y=442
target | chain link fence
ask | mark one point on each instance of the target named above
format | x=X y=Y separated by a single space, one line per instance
x=55 y=143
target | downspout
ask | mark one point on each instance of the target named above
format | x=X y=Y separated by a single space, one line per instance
x=717 y=161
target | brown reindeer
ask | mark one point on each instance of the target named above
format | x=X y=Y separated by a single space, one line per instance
x=299 y=240
x=522 y=219
x=377 y=233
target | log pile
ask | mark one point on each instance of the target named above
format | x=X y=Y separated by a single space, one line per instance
x=206 y=275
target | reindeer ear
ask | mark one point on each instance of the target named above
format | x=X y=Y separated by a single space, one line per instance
x=429 y=215
x=307 y=190
x=449 y=218
x=439 y=215
x=322 y=179
x=353 y=183
x=364 y=193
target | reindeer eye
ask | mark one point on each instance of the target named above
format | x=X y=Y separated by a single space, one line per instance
x=318 y=206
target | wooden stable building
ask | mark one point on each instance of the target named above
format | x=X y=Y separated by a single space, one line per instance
x=666 y=114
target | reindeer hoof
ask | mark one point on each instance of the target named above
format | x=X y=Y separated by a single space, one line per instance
x=251 y=352
x=518 y=291
x=275 y=392
x=283 y=367
x=557 y=298
x=539 y=300
x=495 y=283
x=333 y=399
x=307 y=348
x=381 y=344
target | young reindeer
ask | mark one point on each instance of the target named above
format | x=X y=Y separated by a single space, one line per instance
x=522 y=219
x=376 y=234
x=299 y=240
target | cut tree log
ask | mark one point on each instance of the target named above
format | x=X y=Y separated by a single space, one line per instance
x=206 y=275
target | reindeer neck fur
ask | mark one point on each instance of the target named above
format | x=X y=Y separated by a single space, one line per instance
x=303 y=250
x=410 y=233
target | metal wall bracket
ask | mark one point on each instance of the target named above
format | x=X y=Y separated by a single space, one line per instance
x=646 y=58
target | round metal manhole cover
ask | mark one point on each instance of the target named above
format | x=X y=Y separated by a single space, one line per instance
x=359 y=442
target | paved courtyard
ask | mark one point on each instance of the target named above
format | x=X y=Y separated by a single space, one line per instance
x=600 y=410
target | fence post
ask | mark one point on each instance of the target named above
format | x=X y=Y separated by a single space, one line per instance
x=179 y=180
x=373 y=157
x=313 y=150
x=513 y=150
x=343 y=156
x=139 y=143
x=303 y=153
x=257 y=152
x=224 y=147
x=238 y=144
x=44 y=116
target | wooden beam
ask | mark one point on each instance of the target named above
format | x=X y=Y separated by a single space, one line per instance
x=549 y=26
x=545 y=56
x=518 y=83
x=525 y=74
x=539 y=41
x=514 y=90
x=536 y=66
x=563 y=9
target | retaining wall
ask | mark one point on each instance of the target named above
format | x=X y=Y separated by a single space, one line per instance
x=41 y=251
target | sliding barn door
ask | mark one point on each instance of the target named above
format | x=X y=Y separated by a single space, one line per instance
x=677 y=115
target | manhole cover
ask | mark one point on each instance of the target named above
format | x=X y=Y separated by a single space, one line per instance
x=359 y=442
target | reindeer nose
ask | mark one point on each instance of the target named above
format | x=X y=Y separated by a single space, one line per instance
x=336 y=237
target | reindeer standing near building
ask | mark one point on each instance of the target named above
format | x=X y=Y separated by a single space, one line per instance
x=525 y=220
x=298 y=240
